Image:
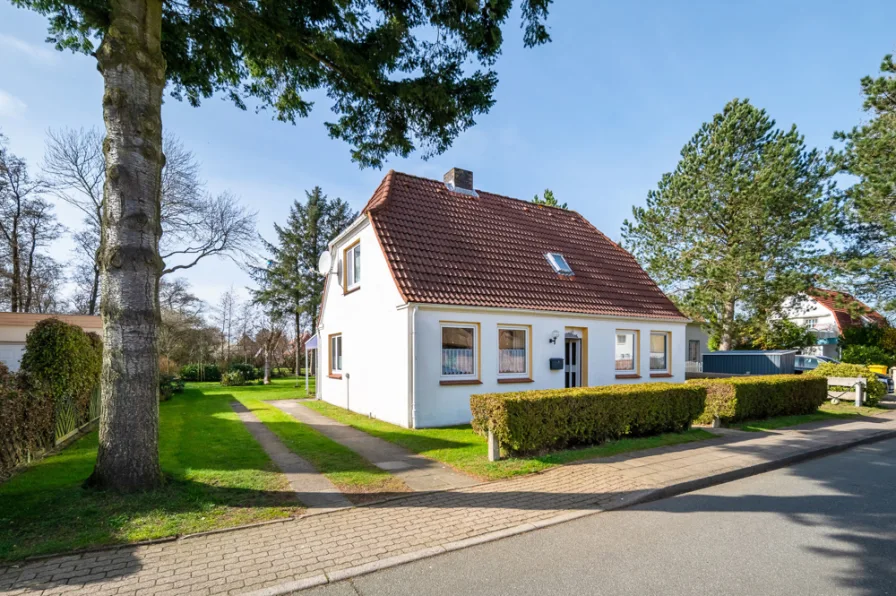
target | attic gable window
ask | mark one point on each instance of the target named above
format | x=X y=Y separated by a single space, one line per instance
x=558 y=262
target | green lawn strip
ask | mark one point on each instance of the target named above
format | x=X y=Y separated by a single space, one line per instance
x=359 y=479
x=278 y=389
x=827 y=411
x=218 y=476
x=464 y=450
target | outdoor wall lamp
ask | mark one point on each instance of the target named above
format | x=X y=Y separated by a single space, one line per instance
x=554 y=335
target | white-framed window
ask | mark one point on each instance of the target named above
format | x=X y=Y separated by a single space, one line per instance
x=352 y=266
x=626 y=351
x=336 y=354
x=459 y=357
x=659 y=352
x=810 y=323
x=513 y=352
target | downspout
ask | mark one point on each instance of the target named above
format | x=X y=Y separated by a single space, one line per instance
x=412 y=368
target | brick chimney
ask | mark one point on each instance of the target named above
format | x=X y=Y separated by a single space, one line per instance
x=459 y=180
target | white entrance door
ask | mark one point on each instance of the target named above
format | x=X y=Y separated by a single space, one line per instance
x=573 y=362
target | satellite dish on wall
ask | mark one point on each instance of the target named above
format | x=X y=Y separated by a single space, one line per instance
x=323 y=265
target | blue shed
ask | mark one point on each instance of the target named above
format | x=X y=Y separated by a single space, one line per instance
x=750 y=362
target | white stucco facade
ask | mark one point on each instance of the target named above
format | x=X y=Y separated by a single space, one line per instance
x=436 y=404
x=392 y=351
x=373 y=322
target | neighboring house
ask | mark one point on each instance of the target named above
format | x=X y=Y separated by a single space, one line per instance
x=467 y=292
x=697 y=345
x=15 y=326
x=827 y=313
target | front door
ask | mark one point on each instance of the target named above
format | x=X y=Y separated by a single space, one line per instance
x=573 y=363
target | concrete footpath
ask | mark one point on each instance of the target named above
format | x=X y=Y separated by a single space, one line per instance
x=281 y=557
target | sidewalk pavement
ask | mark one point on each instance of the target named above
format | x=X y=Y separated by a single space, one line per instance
x=281 y=557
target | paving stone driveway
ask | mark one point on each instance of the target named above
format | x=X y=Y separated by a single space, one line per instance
x=278 y=556
x=419 y=473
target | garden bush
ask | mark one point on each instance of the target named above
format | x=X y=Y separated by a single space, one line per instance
x=754 y=398
x=875 y=390
x=250 y=373
x=168 y=386
x=531 y=421
x=62 y=361
x=233 y=378
x=204 y=372
x=867 y=355
x=27 y=425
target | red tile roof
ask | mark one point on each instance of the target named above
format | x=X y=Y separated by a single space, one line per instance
x=840 y=304
x=445 y=247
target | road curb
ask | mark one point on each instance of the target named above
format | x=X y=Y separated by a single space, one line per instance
x=636 y=498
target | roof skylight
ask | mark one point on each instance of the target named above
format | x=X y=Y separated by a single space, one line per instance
x=558 y=262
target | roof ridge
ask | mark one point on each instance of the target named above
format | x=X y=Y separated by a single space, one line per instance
x=493 y=194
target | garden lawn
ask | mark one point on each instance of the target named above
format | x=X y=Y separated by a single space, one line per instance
x=278 y=389
x=359 y=479
x=466 y=451
x=218 y=476
x=827 y=411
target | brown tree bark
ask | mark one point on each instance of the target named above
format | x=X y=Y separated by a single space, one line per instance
x=725 y=340
x=133 y=68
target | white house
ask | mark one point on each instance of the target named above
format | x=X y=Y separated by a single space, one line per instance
x=467 y=292
x=697 y=344
x=827 y=313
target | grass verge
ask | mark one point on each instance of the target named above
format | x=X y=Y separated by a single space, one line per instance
x=278 y=389
x=218 y=476
x=359 y=479
x=827 y=411
x=464 y=450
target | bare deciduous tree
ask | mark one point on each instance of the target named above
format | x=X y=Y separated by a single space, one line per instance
x=27 y=224
x=195 y=225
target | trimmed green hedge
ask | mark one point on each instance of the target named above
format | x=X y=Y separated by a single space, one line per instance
x=61 y=360
x=754 y=398
x=875 y=389
x=531 y=421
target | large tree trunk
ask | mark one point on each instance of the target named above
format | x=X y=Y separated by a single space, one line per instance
x=267 y=365
x=725 y=340
x=133 y=68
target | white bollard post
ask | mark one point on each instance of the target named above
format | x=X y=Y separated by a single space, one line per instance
x=494 y=450
x=860 y=389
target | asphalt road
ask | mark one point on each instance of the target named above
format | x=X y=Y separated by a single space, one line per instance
x=827 y=526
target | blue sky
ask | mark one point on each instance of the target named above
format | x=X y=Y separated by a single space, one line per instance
x=598 y=115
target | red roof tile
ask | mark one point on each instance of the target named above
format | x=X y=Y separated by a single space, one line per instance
x=445 y=247
x=840 y=304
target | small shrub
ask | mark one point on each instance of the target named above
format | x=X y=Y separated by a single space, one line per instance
x=754 y=398
x=205 y=372
x=250 y=373
x=233 y=378
x=867 y=355
x=168 y=386
x=875 y=390
x=531 y=421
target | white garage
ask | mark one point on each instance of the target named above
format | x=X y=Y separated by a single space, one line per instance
x=14 y=328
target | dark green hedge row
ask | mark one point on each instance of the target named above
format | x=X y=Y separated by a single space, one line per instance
x=754 y=398
x=531 y=421
x=197 y=372
x=61 y=361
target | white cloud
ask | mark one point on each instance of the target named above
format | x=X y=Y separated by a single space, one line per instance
x=39 y=53
x=10 y=105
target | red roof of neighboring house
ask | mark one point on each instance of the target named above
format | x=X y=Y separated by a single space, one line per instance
x=446 y=247
x=841 y=303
